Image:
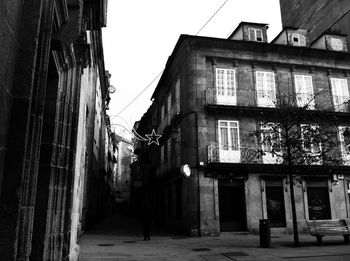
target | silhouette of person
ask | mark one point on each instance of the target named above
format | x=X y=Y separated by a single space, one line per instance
x=146 y=219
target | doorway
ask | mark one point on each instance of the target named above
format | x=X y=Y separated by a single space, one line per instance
x=232 y=209
x=275 y=203
x=318 y=200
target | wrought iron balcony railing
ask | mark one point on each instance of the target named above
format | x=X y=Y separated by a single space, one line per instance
x=341 y=103
x=240 y=97
x=253 y=98
x=232 y=154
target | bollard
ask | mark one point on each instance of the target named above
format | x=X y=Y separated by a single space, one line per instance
x=265 y=233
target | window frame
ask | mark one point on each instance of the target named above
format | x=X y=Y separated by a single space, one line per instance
x=229 y=138
x=261 y=102
x=222 y=93
x=344 y=98
x=303 y=95
x=255 y=30
x=344 y=154
x=312 y=150
x=335 y=44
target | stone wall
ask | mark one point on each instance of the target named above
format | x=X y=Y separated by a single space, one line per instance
x=39 y=97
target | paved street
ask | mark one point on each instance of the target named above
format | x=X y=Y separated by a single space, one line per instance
x=121 y=239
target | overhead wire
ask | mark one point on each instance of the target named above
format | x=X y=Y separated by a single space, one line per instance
x=160 y=73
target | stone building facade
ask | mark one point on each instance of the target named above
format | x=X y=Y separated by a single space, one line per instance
x=53 y=92
x=317 y=16
x=209 y=102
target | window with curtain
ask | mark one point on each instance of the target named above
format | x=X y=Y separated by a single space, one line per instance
x=340 y=93
x=266 y=90
x=226 y=86
x=229 y=135
x=304 y=91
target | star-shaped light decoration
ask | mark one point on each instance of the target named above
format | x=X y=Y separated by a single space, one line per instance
x=153 y=138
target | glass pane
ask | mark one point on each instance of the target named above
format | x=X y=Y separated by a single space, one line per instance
x=233 y=124
x=234 y=138
x=223 y=123
x=220 y=81
x=251 y=34
x=231 y=83
x=223 y=138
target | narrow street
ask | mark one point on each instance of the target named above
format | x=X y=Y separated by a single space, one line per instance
x=121 y=239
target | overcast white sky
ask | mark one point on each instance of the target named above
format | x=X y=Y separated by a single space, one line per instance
x=140 y=35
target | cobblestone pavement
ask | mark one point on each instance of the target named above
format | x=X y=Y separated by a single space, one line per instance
x=120 y=239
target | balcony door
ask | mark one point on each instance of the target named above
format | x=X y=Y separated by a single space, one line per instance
x=340 y=93
x=304 y=91
x=229 y=149
x=265 y=88
x=226 y=86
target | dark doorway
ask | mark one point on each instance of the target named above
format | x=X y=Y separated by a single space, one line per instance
x=275 y=203
x=318 y=200
x=232 y=205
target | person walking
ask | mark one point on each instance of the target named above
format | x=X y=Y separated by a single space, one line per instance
x=146 y=219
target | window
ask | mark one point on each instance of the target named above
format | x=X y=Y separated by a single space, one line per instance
x=162 y=112
x=169 y=102
x=270 y=139
x=177 y=94
x=266 y=90
x=255 y=35
x=311 y=142
x=178 y=148
x=229 y=139
x=340 y=94
x=165 y=106
x=298 y=39
x=304 y=91
x=337 y=44
x=344 y=132
x=229 y=150
x=226 y=86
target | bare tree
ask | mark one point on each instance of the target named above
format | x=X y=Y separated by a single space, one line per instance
x=294 y=134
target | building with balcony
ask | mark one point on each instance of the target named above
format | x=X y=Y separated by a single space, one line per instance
x=209 y=106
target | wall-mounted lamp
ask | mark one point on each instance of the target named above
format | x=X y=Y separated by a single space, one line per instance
x=111 y=89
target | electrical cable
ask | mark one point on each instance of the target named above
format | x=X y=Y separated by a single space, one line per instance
x=159 y=74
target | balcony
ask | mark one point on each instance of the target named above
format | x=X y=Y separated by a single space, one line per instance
x=226 y=154
x=250 y=98
x=341 y=103
x=306 y=100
